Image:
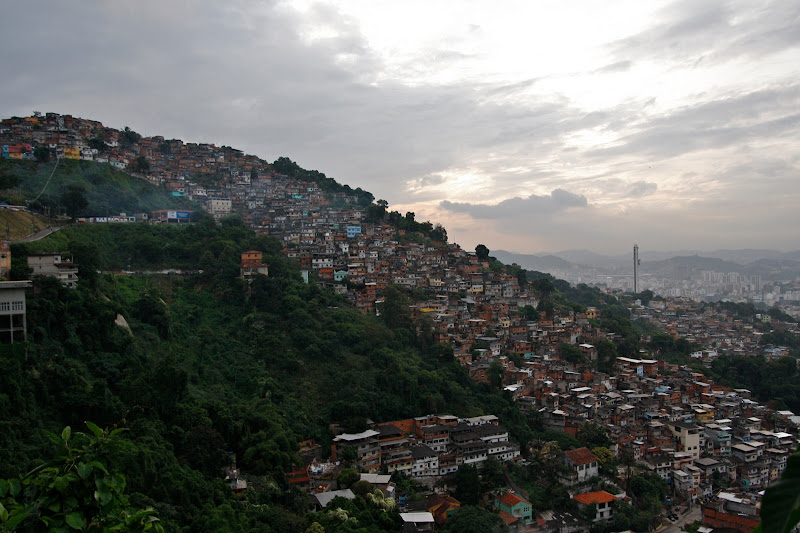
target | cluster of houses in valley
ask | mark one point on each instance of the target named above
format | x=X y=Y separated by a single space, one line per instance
x=429 y=449
x=711 y=444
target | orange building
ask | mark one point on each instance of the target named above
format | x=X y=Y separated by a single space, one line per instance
x=5 y=260
x=252 y=264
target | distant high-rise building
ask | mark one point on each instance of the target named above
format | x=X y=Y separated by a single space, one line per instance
x=635 y=268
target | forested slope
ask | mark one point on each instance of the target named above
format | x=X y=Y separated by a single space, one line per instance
x=210 y=366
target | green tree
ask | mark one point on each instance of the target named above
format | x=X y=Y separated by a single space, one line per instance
x=482 y=252
x=492 y=474
x=88 y=258
x=589 y=512
x=74 y=200
x=140 y=164
x=645 y=296
x=472 y=519
x=394 y=309
x=42 y=154
x=544 y=286
x=570 y=353
x=529 y=313
x=128 y=137
x=593 y=435
x=495 y=374
x=361 y=488
x=78 y=489
x=606 y=355
x=468 y=485
x=603 y=454
x=780 y=508
x=546 y=307
x=8 y=178
x=347 y=477
x=443 y=350
x=439 y=233
x=98 y=144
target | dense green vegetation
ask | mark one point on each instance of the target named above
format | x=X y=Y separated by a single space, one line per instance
x=107 y=191
x=413 y=230
x=74 y=490
x=212 y=365
x=209 y=365
x=775 y=382
x=287 y=167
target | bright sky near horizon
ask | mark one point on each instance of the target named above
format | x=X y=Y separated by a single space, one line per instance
x=527 y=126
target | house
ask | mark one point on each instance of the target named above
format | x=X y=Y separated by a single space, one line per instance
x=219 y=207
x=365 y=445
x=687 y=436
x=5 y=260
x=252 y=264
x=170 y=216
x=515 y=505
x=425 y=461
x=383 y=482
x=601 y=500
x=13 y=323
x=56 y=265
x=441 y=506
x=322 y=499
x=417 y=522
x=582 y=465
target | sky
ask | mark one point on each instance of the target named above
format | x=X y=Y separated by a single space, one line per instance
x=526 y=126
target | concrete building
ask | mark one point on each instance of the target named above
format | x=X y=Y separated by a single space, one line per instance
x=13 y=321
x=366 y=446
x=687 y=436
x=56 y=265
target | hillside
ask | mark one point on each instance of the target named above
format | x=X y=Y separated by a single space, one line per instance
x=201 y=365
x=108 y=191
x=212 y=366
x=15 y=224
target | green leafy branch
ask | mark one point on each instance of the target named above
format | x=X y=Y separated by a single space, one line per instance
x=75 y=490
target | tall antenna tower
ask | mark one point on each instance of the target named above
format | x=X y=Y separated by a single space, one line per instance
x=636 y=268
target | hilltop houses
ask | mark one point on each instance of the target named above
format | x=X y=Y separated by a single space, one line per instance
x=672 y=420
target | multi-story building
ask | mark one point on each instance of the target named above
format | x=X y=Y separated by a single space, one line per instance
x=56 y=265
x=13 y=321
x=687 y=435
x=366 y=446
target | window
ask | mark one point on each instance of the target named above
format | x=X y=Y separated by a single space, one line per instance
x=18 y=306
x=5 y=306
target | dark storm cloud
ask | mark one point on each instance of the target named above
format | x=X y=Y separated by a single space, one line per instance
x=534 y=205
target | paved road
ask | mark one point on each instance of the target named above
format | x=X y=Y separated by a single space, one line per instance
x=694 y=514
x=39 y=234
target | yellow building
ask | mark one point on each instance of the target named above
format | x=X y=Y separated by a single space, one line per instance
x=72 y=153
x=5 y=260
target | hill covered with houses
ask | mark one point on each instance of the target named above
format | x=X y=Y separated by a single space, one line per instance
x=365 y=338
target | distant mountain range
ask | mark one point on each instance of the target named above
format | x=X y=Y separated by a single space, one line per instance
x=769 y=264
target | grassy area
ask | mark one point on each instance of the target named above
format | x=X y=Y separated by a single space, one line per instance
x=18 y=224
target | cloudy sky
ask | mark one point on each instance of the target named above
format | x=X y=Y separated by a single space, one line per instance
x=528 y=126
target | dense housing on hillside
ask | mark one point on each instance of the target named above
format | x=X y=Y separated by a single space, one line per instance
x=679 y=424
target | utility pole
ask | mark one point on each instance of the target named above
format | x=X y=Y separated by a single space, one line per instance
x=636 y=268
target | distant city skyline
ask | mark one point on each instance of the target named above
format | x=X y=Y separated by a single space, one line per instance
x=529 y=127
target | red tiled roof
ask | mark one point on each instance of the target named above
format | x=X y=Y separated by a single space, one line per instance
x=510 y=499
x=581 y=456
x=588 y=498
x=508 y=518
